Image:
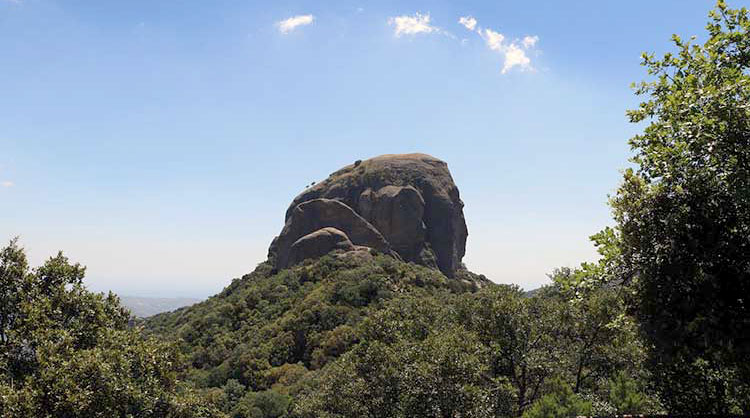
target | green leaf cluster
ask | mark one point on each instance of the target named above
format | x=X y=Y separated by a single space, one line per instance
x=560 y=402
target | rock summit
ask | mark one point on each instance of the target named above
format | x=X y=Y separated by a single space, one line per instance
x=406 y=205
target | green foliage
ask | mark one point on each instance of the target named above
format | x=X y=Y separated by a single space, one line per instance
x=266 y=404
x=407 y=367
x=233 y=391
x=66 y=352
x=521 y=334
x=684 y=218
x=626 y=396
x=305 y=315
x=560 y=402
x=600 y=337
x=340 y=337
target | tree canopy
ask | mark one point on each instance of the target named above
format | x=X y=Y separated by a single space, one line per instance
x=683 y=217
x=67 y=352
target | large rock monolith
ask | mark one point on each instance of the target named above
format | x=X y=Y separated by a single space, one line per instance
x=406 y=205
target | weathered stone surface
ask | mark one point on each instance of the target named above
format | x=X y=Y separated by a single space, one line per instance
x=312 y=215
x=319 y=243
x=397 y=213
x=406 y=202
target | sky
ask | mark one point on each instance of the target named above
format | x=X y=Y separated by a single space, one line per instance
x=160 y=142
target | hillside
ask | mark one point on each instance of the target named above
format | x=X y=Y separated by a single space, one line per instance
x=346 y=333
x=364 y=308
x=301 y=317
x=366 y=220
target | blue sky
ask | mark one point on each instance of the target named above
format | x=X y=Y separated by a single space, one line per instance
x=159 y=142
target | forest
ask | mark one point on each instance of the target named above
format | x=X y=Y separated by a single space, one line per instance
x=659 y=324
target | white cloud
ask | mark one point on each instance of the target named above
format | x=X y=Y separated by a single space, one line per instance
x=287 y=25
x=513 y=52
x=7 y=184
x=515 y=56
x=411 y=25
x=529 y=41
x=494 y=40
x=469 y=22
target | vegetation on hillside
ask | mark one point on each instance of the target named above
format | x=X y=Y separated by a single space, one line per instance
x=344 y=336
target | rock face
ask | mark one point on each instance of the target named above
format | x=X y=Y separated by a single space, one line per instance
x=313 y=215
x=319 y=243
x=406 y=205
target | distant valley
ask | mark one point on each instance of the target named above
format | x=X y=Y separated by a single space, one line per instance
x=143 y=307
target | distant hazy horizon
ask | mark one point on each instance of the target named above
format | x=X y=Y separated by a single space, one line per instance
x=160 y=144
x=144 y=306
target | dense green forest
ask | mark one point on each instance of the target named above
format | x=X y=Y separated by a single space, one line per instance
x=660 y=323
x=379 y=337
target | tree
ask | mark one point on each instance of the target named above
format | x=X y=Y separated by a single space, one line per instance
x=600 y=339
x=683 y=218
x=266 y=404
x=13 y=269
x=67 y=352
x=559 y=402
x=522 y=336
x=412 y=361
x=626 y=396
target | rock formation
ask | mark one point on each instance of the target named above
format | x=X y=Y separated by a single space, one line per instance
x=319 y=243
x=406 y=205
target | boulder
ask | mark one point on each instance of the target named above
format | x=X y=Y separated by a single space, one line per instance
x=315 y=214
x=319 y=243
x=405 y=204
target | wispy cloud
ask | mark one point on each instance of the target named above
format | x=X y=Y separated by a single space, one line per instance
x=515 y=56
x=530 y=41
x=469 y=22
x=7 y=184
x=514 y=52
x=412 y=25
x=287 y=25
x=494 y=39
